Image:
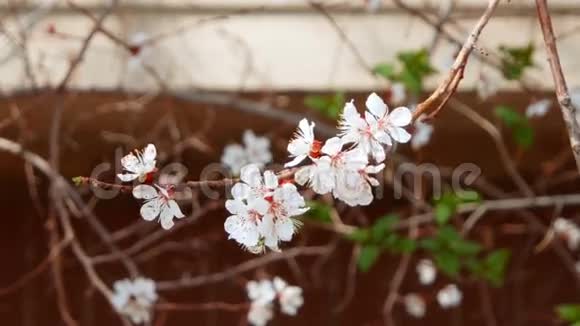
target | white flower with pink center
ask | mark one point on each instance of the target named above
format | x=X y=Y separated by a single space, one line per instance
x=158 y=203
x=139 y=165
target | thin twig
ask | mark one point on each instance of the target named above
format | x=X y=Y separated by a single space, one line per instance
x=566 y=105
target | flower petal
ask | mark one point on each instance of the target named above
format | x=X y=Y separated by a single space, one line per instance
x=146 y=192
x=175 y=210
x=332 y=146
x=270 y=180
x=399 y=134
x=376 y=105
x=400 y=117
x=150 y=210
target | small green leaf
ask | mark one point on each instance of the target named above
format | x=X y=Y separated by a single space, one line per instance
x=522 y=131
x=360 y=235
x=465 y=248
x=317 y=102
x=404 y=245
x=509 y=115
x=329 y=105
x=448 y=263
x=495 y=266
x=368 y=256
x=569 y=312
x=515 y=60
x=524 y=136
x=430 y=244
x=384 y=70
x=443 y=212
x=383 y=226
x=318 y=211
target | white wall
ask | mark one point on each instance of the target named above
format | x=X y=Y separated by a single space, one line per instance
x=282 y=47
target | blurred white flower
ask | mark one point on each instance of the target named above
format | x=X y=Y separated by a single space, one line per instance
x=449 y=296
x=261 y=291
x=538 y=108
x=134 y=299
x=378 y=128
x=426 y=271
x=398 y=93
x=158 y=202
x=139 y=165
x=486 y=87
x=260 y=314
x=422 y=134
x=303 y=144
x=255 y=150
x=568 y=231
x=290 y=297
x=262 y=294
x=414 y=305
x=263 y=210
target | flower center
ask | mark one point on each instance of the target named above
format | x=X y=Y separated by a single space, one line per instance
x=315 y=149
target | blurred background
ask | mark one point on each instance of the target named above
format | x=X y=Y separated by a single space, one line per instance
x=83 y=82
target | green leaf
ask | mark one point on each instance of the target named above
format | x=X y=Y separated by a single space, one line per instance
x=448 y=263
x=465 y=248
x=317 y=102
x=383 y=226
x=522 y=131
x=443 y=212
x=447 y=234
x=515 y=60
x=412 y=82
x=495 y=266
x=430 y=244
x=385 y=70
x=368 y=256
x=360 y=235
x=524 y=136
x=509 y=116
x=329 y=105
x=404 y=245
x=318 y=211
x=569 y=312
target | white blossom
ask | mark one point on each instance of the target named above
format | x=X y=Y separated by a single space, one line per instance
x=255 y=149
x=303 y=144
x=262 y=294
x=260 y=314
x=354 y=186
x=261 y=291
x=158 y=203
x=449 y=296
x=422 y=134
x=345 y=173
x=538 y=108
x=290 y=297
x=415 y=305
x=263 y=210
x=139 y=165
x=426 y=271
x=486 y=87
x=398 y=93
x=569 y=231
x=378 y=128
x=134 y=299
